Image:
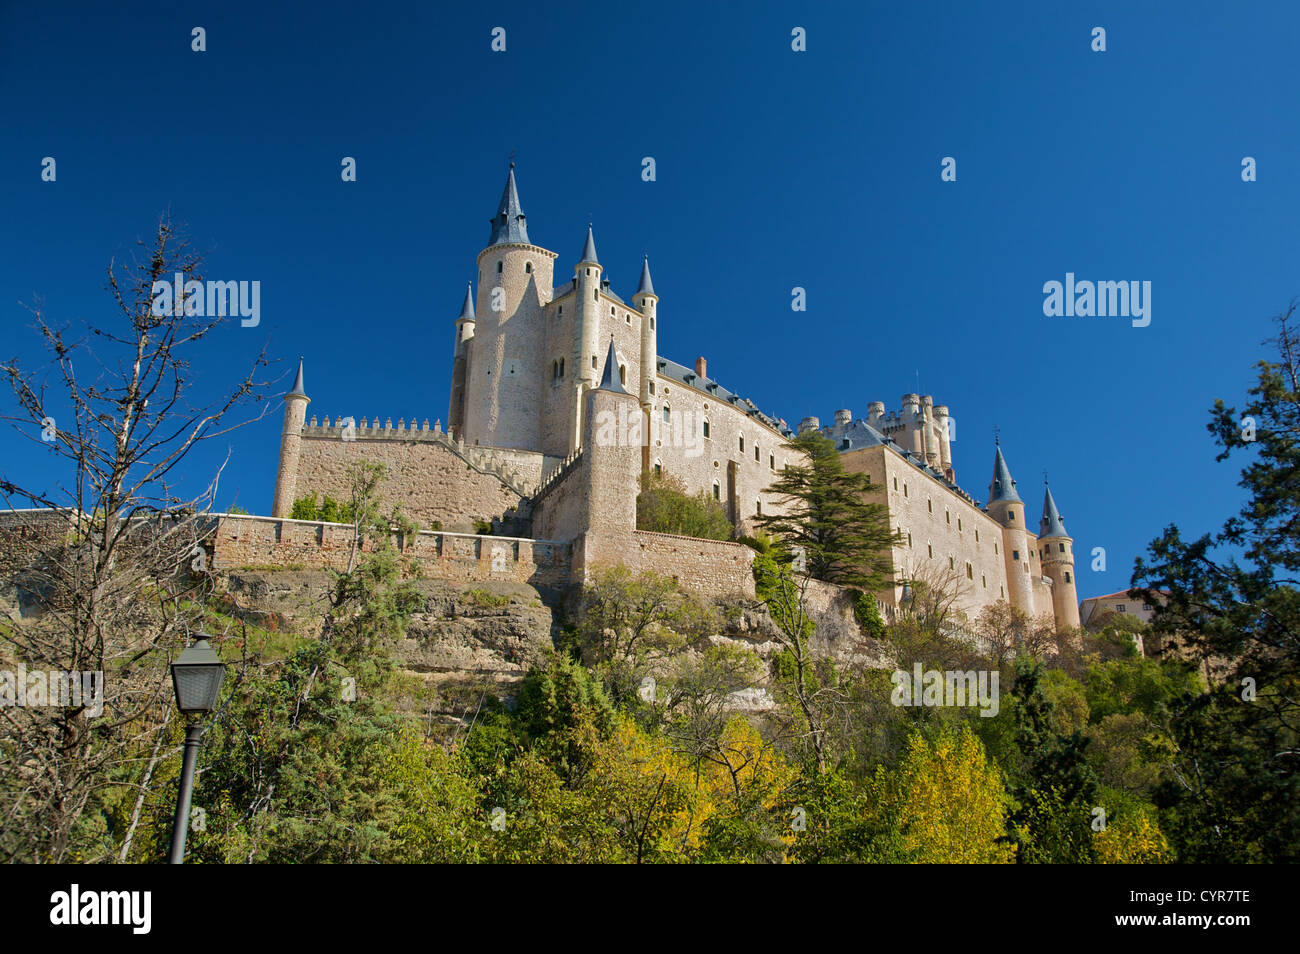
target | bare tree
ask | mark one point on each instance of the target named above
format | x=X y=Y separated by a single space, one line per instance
x=112 y=560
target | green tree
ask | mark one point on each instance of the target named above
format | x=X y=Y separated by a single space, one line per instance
x=827 y=521
x=665 y=506
x=1236 y=791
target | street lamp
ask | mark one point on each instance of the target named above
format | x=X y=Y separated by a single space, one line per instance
x=197 y=675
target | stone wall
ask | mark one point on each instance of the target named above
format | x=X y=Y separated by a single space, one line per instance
x=708 y=567
x=428 y=478
x=952 y=540
x=243 y=541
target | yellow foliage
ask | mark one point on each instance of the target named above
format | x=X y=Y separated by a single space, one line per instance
x=1131 y=841
x=948 y=801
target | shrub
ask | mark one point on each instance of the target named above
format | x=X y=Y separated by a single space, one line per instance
x=665 y=506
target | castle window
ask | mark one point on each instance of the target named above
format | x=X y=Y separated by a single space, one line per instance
x=706 y=429
x=1119 y=607
x=959 y=524
x=528 y=268
x=611 y=311
x=977 y=536
x=756 y=457
x=595 y=294
x=717 y=491
x=1067 y=580
x=984 y=582
x=895 y=483
x=589 y=271
x=1146 y=607
x=995 y=549
x=929 y=549
x=561 y=310
x=667 y=414
x=652 y=387
x=652 y=322
x=659 y=469
x=498 y=268
x=628 y=317
x=771 y=462
x=909 y=540
x=555 y=370
x=715 y=463
x=952 y=564
x=1062 y=546
x=622 y=374
x=904 y=490
x=1011 y=516
x=758 y=508
x=593 y=360
x=1015 y=554
x=970 y=572
x=1001 y=592
x=1026 y=567
x=929 y=505
x=742 y=443
x=947 y=517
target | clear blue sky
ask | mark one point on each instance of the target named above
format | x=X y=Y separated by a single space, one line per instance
x=819 y=169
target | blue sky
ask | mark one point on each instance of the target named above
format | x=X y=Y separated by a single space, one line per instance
x=775 y=169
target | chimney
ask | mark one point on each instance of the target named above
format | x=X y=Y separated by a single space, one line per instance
x=701 y=367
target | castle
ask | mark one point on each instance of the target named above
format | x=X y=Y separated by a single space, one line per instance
x=560 y=401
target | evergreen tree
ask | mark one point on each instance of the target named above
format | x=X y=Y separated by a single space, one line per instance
x=843 y=536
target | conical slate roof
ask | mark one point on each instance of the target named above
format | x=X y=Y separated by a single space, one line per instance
x=509 y=225
x=1002 y=486
x=467 y=309
x=646 y=287
x=589 y=250
x=1052 y=525
x=297 y=382
x=609 y=381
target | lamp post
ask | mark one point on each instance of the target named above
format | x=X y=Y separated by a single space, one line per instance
x=197 y=675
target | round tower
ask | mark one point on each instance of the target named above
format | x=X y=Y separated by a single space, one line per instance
x=912 y=438
x=459 y=364
x=505 y=374
x=943 y=432
x=586 y=331
x=647 y=302
x=286 y=475
x=1058 y=562
x=1006 y=507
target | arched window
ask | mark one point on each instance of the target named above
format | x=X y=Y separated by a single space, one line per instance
x=595 y=294
x=659 y=469
x=622 y=374
x=528 y=268
x=706 y=428
x=717 y=491
x=742 y=443
x=667 y=414
x=652 y=322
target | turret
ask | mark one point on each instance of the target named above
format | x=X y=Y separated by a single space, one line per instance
x=1058 y=562
x=504 y=373
x=586 y=329
x=943 y=431
x=460 y=363
x=1006 y=507
x=286 y=476
x=647 y=302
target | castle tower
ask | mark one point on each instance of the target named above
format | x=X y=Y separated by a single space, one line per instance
x=286 y=476
x=1006 y=507
x=912 y=438
x=1058 y=562
x=944 y=432
x=505 y=372
x=647 y=302
x=613 y=463
x=460 y=364
x=586 y=331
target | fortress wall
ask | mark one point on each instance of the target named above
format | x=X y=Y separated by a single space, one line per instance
x=937 y=517
x=559 y=512
x=429 y=480
x=706 y=567
x=690 y=458
x=242 y=541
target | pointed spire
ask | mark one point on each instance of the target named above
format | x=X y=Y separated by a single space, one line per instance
x=610 y=380
x=589 y=250
x=1052 y=525
x=1002 y=487
x=509 y=225
x=467 y=309
x=297 y=382
x=646 y=287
